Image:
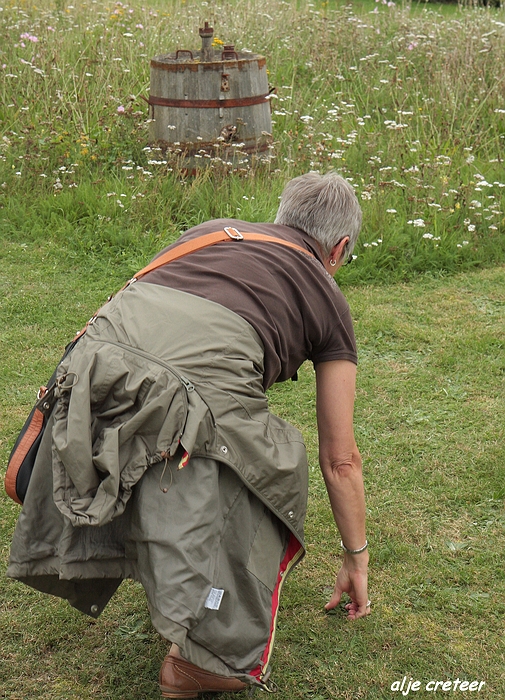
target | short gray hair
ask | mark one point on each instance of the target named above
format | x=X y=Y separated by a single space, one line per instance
x=323 y=206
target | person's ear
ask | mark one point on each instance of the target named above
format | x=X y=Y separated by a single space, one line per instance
x=338 y=250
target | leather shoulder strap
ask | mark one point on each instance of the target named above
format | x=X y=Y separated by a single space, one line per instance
x=227 y=235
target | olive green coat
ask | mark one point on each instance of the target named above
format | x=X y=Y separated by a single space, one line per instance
x=158 y=376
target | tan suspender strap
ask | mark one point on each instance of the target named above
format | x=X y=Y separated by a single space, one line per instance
x=227 y=235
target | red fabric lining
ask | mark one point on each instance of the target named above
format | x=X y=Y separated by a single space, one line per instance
x=290 y=558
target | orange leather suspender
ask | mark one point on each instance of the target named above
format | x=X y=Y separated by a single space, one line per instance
x=226 y=235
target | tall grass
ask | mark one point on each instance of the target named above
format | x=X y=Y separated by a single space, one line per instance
x=407 y=102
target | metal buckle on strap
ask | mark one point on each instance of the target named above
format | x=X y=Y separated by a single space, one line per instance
x=236 y=235
x=269 y=686
x=132 y=281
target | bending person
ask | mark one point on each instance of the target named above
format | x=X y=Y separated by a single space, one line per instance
x=162 y=437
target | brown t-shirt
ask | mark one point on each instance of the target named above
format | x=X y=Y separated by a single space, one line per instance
x=288 y=297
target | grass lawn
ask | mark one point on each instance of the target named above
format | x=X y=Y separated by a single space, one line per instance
x=429 y=422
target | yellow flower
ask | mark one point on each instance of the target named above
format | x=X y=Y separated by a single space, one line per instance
x=217 y=42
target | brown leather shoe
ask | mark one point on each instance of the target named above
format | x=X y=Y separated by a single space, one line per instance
x=180 y=679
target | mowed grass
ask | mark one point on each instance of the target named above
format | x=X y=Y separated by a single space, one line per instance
x=429 y=423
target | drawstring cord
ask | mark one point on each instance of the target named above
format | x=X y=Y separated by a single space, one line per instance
x=165 y=489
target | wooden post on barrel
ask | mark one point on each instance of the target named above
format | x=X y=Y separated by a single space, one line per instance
x=211 y=103
x=206 y=33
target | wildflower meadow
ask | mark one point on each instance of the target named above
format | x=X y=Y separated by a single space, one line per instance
x=407 y=101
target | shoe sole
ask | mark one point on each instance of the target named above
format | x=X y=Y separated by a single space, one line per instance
x=166 y=693
x=191 y=693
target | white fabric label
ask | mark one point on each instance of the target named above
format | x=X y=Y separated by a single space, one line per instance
x=214 y=598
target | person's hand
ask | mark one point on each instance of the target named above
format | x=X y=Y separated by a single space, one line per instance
x=353 y=580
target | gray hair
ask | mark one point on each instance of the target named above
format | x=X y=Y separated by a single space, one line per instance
x=323 y=206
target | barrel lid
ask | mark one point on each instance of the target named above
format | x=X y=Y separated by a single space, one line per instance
x=180 y=58
x=208 y=54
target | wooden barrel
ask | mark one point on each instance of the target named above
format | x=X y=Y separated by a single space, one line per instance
x=207 y=101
